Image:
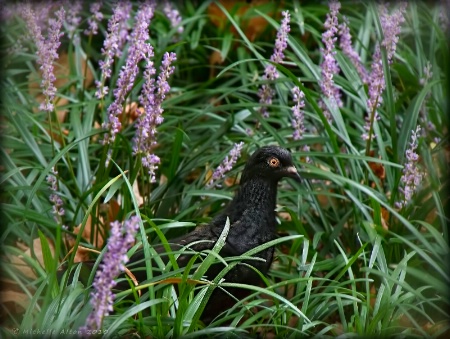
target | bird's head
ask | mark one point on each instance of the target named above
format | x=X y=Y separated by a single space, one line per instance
x=270 y=162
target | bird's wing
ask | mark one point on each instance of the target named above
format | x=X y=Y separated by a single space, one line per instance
x=182 y=248
x=245 y=235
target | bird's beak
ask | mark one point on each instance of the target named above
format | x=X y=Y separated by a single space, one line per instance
x=291 y=172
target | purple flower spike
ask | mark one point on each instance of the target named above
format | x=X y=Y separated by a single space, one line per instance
x=227 y=163
x=73 y=18
x=57 y=208
x=347 y=48
x=96 y=17
x=151 y=98
x=329 y=65
x=429 y=126
x=412 y=175
x=137 y=51
x=427 y=74
x=391 y=25
x=299 y=117
x=266 y=93
x=46 y=51
x=174 y=16
x=297 y=113
x=391 y=28
x=123 y=31
x=102 y=298
x=281 y=40
x=111 y=44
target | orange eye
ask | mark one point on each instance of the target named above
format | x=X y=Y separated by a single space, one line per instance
x=274 y=162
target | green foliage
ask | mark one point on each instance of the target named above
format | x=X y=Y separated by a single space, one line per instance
x=348 y=261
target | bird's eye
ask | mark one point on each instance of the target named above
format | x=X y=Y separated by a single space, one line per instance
x=274 y=162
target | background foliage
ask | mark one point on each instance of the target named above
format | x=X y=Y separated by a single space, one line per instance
x=355 y=263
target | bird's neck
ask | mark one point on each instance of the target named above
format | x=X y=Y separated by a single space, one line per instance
x=256 y=198
x=259 y=194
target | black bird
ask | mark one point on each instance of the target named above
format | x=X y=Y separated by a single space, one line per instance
x=252 y=220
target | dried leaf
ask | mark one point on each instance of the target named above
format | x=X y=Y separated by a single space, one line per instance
x=373 y=295
x=377 y=169
x=251 y=23
x=96 y=137
x=15 y=297
x=285 y=216
x=163 y=179
x=113 y=211
x=21 y=264
x=133 y=111
x=15 y=302
x=81 y=254
x=193 y=175
x=231 y=181
x=384 y=218
x=326 y=200
x=108 y=213
x=137 y=194
x=215 y=58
